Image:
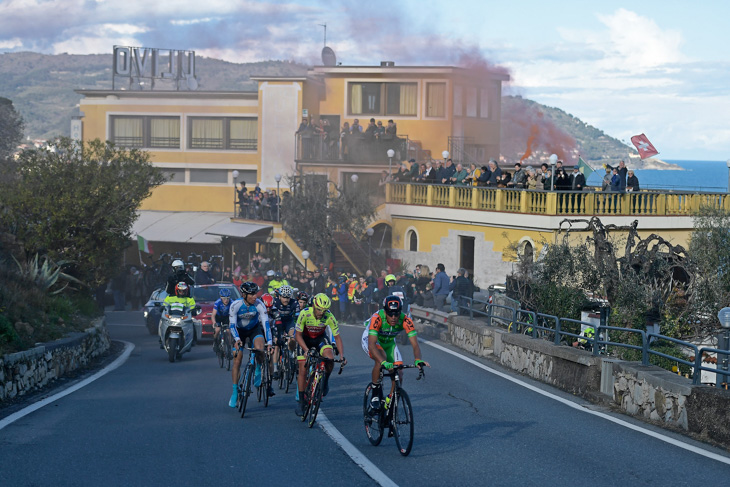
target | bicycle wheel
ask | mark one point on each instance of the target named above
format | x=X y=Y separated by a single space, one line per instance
x=403 y=423
x=265 y=381
x=228 y=351
x=246 y=388
x=307 y=397
x=220 y=352
x=282 y=369
x=316 y=400
x=373 y=424
x=241 y=383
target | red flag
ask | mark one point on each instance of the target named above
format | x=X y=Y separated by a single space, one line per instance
x=643 y=146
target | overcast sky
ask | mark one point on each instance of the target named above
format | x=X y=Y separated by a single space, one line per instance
x=654 y=67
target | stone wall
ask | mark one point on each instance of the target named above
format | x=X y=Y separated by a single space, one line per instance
x=23 y=372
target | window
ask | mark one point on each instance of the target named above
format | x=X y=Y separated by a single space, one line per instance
x=412 y=239
x=471 y=102
x=484 y=103
x=247 y=176
x=145 y=131
x=223 y=133
x=367 y=99
x=466 y=253
x=458 y=101
x=174 y=175
x=209 y=176
x=436 y=99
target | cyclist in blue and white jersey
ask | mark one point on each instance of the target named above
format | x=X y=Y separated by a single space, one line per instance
x=220 y=318
x=248 y=320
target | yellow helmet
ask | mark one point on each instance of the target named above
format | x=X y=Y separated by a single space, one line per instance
x=389 y=278
x=321 y=301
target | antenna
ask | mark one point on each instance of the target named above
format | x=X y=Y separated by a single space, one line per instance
x=325 y=33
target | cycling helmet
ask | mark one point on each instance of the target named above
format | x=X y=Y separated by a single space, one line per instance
x=181 y=289
x=301 y=295
x=389 y=278
x=249 y=288
x=269 y=273
x=177 y=265
x=286 y=291
x=321 y=301
x=268 y=300
x=393 y=305
x=224 y=292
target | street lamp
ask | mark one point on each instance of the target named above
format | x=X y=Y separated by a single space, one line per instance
x=278 y=198
x=445 y=155
x=553 y=161
x=724 y=344
x=391 y=153
x=235 y=191
x=305 y=255
x=354 y=178
x=370 y=232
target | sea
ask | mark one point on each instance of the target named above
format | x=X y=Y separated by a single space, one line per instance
x=710 y=176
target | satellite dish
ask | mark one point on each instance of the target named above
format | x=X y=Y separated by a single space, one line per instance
x=328 y=56
x=192 y=84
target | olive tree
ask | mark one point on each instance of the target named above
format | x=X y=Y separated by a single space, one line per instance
x=76 y=202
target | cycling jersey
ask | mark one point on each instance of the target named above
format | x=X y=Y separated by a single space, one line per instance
x=311 y=327
x=385 y=332
x=289 y=313
x=246 y=317
x=222 y=310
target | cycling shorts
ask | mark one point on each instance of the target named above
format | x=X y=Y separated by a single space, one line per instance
x=279 y=330
x=321 y=343
x=392 y=354
x=251 y=334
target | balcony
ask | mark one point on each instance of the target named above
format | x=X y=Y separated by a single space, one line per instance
x=585 y=203
x=355 y=148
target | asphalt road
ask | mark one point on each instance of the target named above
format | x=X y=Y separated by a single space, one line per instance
x=151 y=422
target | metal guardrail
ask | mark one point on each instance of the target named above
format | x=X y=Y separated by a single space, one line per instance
x=538 y=325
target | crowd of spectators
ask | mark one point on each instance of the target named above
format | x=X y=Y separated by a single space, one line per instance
x=321 y=139
x=258 y=204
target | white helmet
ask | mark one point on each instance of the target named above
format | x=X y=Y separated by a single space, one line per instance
x=270 y=274
x=177 y=265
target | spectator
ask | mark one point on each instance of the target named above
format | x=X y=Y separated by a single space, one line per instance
x=370 y=279
x=547 y=178
x=615 y=181
x=237 y=268
x=473 y=177
x=606 y=183
x=622 y=172
x=483 y=179
x=577 y=183
x=227 y=275
x=447 y=172
x=203 y=275
x=531 y=179
x=495 y=176
x=306 y=133
x=119 y=283
x=385 y=178
x=371 y=130
x=318 y=283
x=423 y=278
x=462 y=288
x=504 y=180
x=430 y=173
x=414 y=169
x=460 y=175
x=379 y=130
x=427 y=297
x=344 y=134
x=421 y=176
x=519 y=180
x=391 y=130
x=440 y=287
x=562 y=180
x=356 y=128
x=632 y=183
x=403 y=175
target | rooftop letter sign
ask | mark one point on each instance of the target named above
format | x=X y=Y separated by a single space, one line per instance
x=141 y=67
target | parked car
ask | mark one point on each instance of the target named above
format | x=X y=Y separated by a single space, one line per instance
x=204 y=297
x=152 y=310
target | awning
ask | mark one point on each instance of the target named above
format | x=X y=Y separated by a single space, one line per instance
x=240 y=230
x=179 y=226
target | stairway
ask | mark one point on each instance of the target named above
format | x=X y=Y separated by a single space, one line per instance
x=352 y=255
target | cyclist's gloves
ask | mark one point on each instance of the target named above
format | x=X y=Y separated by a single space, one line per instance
x=419 y=363
x=386 y=365
x=312 y=352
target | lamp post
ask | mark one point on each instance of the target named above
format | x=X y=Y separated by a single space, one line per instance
x=354 y=178
x=445 y=155
x=305 y=255
x=370 y=232
x=235 y=191
x=728 y=175
x=278 y=198
x=553 y=161
x=390 y=153
x=724 y=344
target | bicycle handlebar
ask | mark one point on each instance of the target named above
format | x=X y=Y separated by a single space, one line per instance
x=421 y=374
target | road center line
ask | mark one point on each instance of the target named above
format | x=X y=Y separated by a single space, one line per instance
x=356 y=455
x=128 y=347
x=620 y=422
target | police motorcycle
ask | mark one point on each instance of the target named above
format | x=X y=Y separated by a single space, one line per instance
x=178 y=330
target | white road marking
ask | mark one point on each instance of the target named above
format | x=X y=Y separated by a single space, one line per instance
x=128 y=347
x=620 y=422
x=356 y=455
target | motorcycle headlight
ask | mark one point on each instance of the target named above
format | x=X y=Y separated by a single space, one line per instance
x=175 y=321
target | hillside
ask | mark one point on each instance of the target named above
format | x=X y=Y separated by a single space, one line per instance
x=42 y=89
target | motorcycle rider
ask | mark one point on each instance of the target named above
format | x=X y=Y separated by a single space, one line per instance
x=277 y=282
x=181 y=299
x=178 y=275
x=248 y=320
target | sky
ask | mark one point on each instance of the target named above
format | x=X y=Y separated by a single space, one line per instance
x=655 y=67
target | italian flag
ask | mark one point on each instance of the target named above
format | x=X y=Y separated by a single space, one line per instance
x=144 y=245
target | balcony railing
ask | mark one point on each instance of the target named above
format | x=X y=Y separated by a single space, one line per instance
x=355 y=148
x=589 y=203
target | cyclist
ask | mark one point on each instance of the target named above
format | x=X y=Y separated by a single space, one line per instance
x=381 y=331
x=310 y=335
x=220 y=317
x=287 y=312
x=248 y=320
x=178 y=275
x=303 y=300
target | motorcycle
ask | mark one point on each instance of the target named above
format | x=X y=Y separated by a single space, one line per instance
x=178 y=331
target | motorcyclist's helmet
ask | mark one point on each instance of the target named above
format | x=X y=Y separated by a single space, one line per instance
x=322 y=302
x=224 y=292
x=269 y=274
x=182 y=290
x=302 y=296
x=268 y=300
x=389 y=278
x=249 y=288
x=278 y=276
x=393 y=305
x=286 y=291
x=178 y=266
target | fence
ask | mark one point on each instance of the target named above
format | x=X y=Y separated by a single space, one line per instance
x=556 y=329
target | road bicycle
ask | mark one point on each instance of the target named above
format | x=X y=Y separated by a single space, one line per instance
x=245 y=379
x=395 y=412
x=262 y=391
x=316 y=365
x=224 y=349
x=287 y=364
